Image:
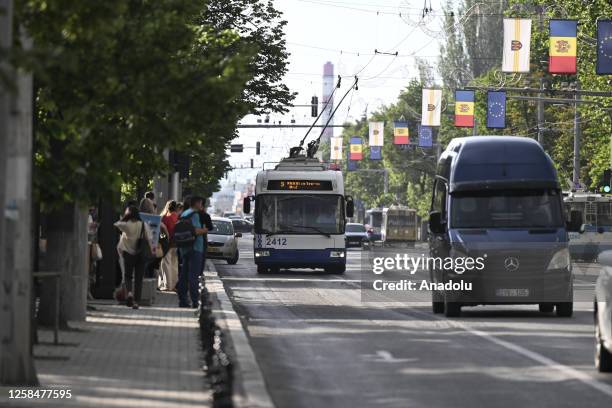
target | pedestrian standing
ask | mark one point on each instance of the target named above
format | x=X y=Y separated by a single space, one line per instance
x=207 y=223
x=133 y=232
x=147 y=204
x=169 y=266
x=192 y=254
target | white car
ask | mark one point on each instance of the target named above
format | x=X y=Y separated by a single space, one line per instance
x=222 y=241
x=603 y=314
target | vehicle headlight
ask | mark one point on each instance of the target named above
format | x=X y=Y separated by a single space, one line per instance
x=336 y=254
x=261 y=252
x=560 y=260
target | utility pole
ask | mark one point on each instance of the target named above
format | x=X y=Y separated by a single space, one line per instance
x=577 y=134
x=541 y=113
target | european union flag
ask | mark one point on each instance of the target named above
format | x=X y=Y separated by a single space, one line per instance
x=496 y=109
x=425 y=136
x=375 y=152
x=604 y=47
x=351 y=165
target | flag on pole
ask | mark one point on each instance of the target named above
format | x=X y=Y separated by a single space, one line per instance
x=517 y=38
x=401 y=136
x=377 y=134
x=431 y=107
x=496 y=109
x=336 y=148
x=351 y=165
x=375 y=152
x=425 y=136
x=356 y=149
x=604 y=47
x=464 y=108
x=562 y=52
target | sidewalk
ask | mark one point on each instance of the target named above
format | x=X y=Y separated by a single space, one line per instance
x=121 y=357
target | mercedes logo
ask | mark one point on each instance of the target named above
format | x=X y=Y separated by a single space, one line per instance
x=511 y=264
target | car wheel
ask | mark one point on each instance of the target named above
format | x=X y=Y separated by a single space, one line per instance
x=546 y=307
x=437 y=302
x=565 y=309
x=451 y=309
x=234 y=260
x=603 y=357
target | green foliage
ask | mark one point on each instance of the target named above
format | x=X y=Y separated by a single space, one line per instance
x=119 y=81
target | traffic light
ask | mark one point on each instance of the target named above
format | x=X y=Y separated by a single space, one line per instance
x=251 y=163
x=236 y=148
x=258 y=148
x=606 y=182
x=315 y=106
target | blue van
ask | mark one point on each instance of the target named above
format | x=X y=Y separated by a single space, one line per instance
x=497 y=201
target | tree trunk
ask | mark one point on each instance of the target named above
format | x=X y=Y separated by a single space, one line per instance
x=16 y=362
x=67 y=254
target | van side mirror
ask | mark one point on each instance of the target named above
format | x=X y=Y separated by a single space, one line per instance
x=575 y=222
x=246 y=205
x=350 y=207
x=436 y=225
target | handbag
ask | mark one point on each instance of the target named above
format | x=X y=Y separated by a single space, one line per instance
x=96 y=252
x=120 y=293
x=144 y=248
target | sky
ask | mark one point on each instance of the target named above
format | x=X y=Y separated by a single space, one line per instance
x=346 y=33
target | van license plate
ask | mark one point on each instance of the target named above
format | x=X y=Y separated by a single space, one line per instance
x=512 y=292
x=214 y=249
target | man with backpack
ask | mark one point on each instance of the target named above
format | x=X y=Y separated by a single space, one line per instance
x=189 y=234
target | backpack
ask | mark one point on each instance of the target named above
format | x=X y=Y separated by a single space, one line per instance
x=184 y=232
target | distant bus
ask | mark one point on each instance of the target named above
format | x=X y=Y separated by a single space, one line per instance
x=596 y=225
x=373 y=222
x=400 y=224
x=300 y=217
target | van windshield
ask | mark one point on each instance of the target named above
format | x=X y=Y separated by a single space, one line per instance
x=507 y=209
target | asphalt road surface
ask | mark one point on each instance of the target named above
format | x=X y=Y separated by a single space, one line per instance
x=319 y=345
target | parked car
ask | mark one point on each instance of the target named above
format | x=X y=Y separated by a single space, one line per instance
x=355 y=235
x=603 y=312
x=222 y=241
x=242 y=226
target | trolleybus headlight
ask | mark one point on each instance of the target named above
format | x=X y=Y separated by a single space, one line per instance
x=336 y=254
x=261 y=252
x=560 y=260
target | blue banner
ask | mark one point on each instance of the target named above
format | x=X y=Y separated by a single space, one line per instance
x=604 y=47
x=351 y=165
x=496 y=109
x=425 y=136
x=375 y=152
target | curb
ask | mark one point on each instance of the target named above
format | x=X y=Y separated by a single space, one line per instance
x=251 y=391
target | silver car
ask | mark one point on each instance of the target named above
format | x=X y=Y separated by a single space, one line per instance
x=603 y=314
x=222 y=241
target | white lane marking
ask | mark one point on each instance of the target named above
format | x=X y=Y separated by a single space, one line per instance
x=583 y=377
x=383 y=356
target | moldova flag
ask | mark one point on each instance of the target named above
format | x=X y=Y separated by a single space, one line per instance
x=562 y=53
x=356 y=149
x=401 y=136
x=464 y=108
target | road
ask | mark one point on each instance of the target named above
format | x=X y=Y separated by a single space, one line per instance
x=319 y=345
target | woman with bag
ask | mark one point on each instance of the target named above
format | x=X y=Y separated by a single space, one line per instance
x=136 y=251
x=169 y=267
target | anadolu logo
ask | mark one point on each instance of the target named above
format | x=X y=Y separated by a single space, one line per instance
x=516 y=45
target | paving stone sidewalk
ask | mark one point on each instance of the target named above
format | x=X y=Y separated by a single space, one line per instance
x=121 y=357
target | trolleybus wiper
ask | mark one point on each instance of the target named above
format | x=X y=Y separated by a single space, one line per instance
x=313 y=228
